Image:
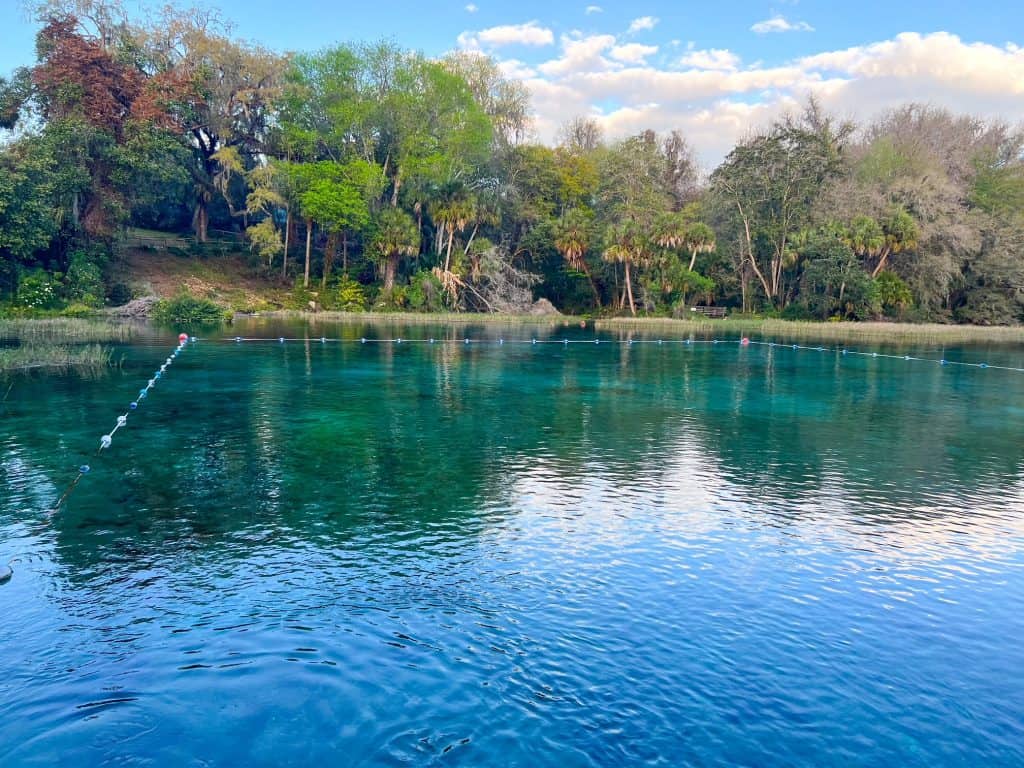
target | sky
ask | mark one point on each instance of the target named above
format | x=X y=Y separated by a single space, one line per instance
x=714 y=70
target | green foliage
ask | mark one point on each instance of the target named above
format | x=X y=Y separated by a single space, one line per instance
x=424 y=293
x=998 y=185
x=78 y=310
x=37 y=290
x=119 y=295
x=187 y=310
x=893 y=294
x=83 y=282
x=834 y=283
x=349 y=296
x=264 y=240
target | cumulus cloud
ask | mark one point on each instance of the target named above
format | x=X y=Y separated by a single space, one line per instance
x=714 y=58
x=580 y=55
x=471 y=8
x=715 y=99
x=514 y=69
x=779 y=23
x=644 y=22
x=530 y=33
x=594 y=9
x=633 y=53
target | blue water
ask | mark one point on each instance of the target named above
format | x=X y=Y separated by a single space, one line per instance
x=380 y=554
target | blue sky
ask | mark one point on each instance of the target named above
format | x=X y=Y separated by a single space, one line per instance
x=711 y=69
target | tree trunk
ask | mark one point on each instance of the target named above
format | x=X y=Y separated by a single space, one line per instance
x=309 y=246
x=693 y=258
x=344 y=252
x=448 y=256
x=593 y=285
x=398 y=186
x=201 y=220
x=287 y=235
x=390 y=268
x=472 y=237
x=629 y=292
x=332 y=243
x=881 y=264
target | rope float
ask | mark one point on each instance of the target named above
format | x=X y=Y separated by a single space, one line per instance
x=122 y=421
x=745 y=341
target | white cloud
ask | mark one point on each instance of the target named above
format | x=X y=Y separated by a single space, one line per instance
x=644 y=22
x=530 y=33
x=514 y=69
x=594 y=9
x=633 y=53
x=580 y=55
x=714 y=58
x=471 y=8
x=779 y=23
x=715 y=99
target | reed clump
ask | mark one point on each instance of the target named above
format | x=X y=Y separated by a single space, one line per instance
x=62 y=330
x=59 y=357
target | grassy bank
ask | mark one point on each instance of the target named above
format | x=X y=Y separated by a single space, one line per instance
x=875 y=333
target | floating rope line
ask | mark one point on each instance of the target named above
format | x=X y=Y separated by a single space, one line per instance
x=122 y=421
x=742 y=342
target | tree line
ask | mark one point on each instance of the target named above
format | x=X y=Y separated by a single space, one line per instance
x=377 y=177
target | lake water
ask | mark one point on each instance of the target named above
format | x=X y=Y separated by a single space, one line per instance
x=514 y=555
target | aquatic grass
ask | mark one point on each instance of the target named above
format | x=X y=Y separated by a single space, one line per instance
x=54 y=356
x=63 y=330
x=878 y=333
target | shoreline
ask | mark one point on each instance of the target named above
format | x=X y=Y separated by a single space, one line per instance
x=879 y=332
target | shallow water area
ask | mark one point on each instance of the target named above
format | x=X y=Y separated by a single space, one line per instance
x=506 y=553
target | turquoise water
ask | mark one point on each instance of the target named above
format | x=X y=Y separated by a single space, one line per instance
x=380 y=554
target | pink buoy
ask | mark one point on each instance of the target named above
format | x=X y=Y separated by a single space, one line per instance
x=182 y=337
x=745 y=342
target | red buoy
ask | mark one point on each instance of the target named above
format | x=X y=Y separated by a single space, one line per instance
x=745 y=342
x=182 y=338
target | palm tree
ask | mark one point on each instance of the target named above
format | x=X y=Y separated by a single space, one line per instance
x=676 y=231
x=396 y=235
x=572 y=240
x=901 y=234
x=700 y=238
x=454 y=213
x=628 y=244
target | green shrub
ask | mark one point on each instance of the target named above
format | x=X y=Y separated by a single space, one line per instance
x=893 y=293
x=186 y=309
x=119 y=295
x=78 y=310
x=37 y=290
x=83 y=282
x=424 y=293
x=349 y=296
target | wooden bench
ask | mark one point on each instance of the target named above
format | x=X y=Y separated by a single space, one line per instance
x=709 y=311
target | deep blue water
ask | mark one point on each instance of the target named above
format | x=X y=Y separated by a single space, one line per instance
x=348 y=554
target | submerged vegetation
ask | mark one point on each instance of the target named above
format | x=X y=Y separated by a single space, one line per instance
x=369 y=177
